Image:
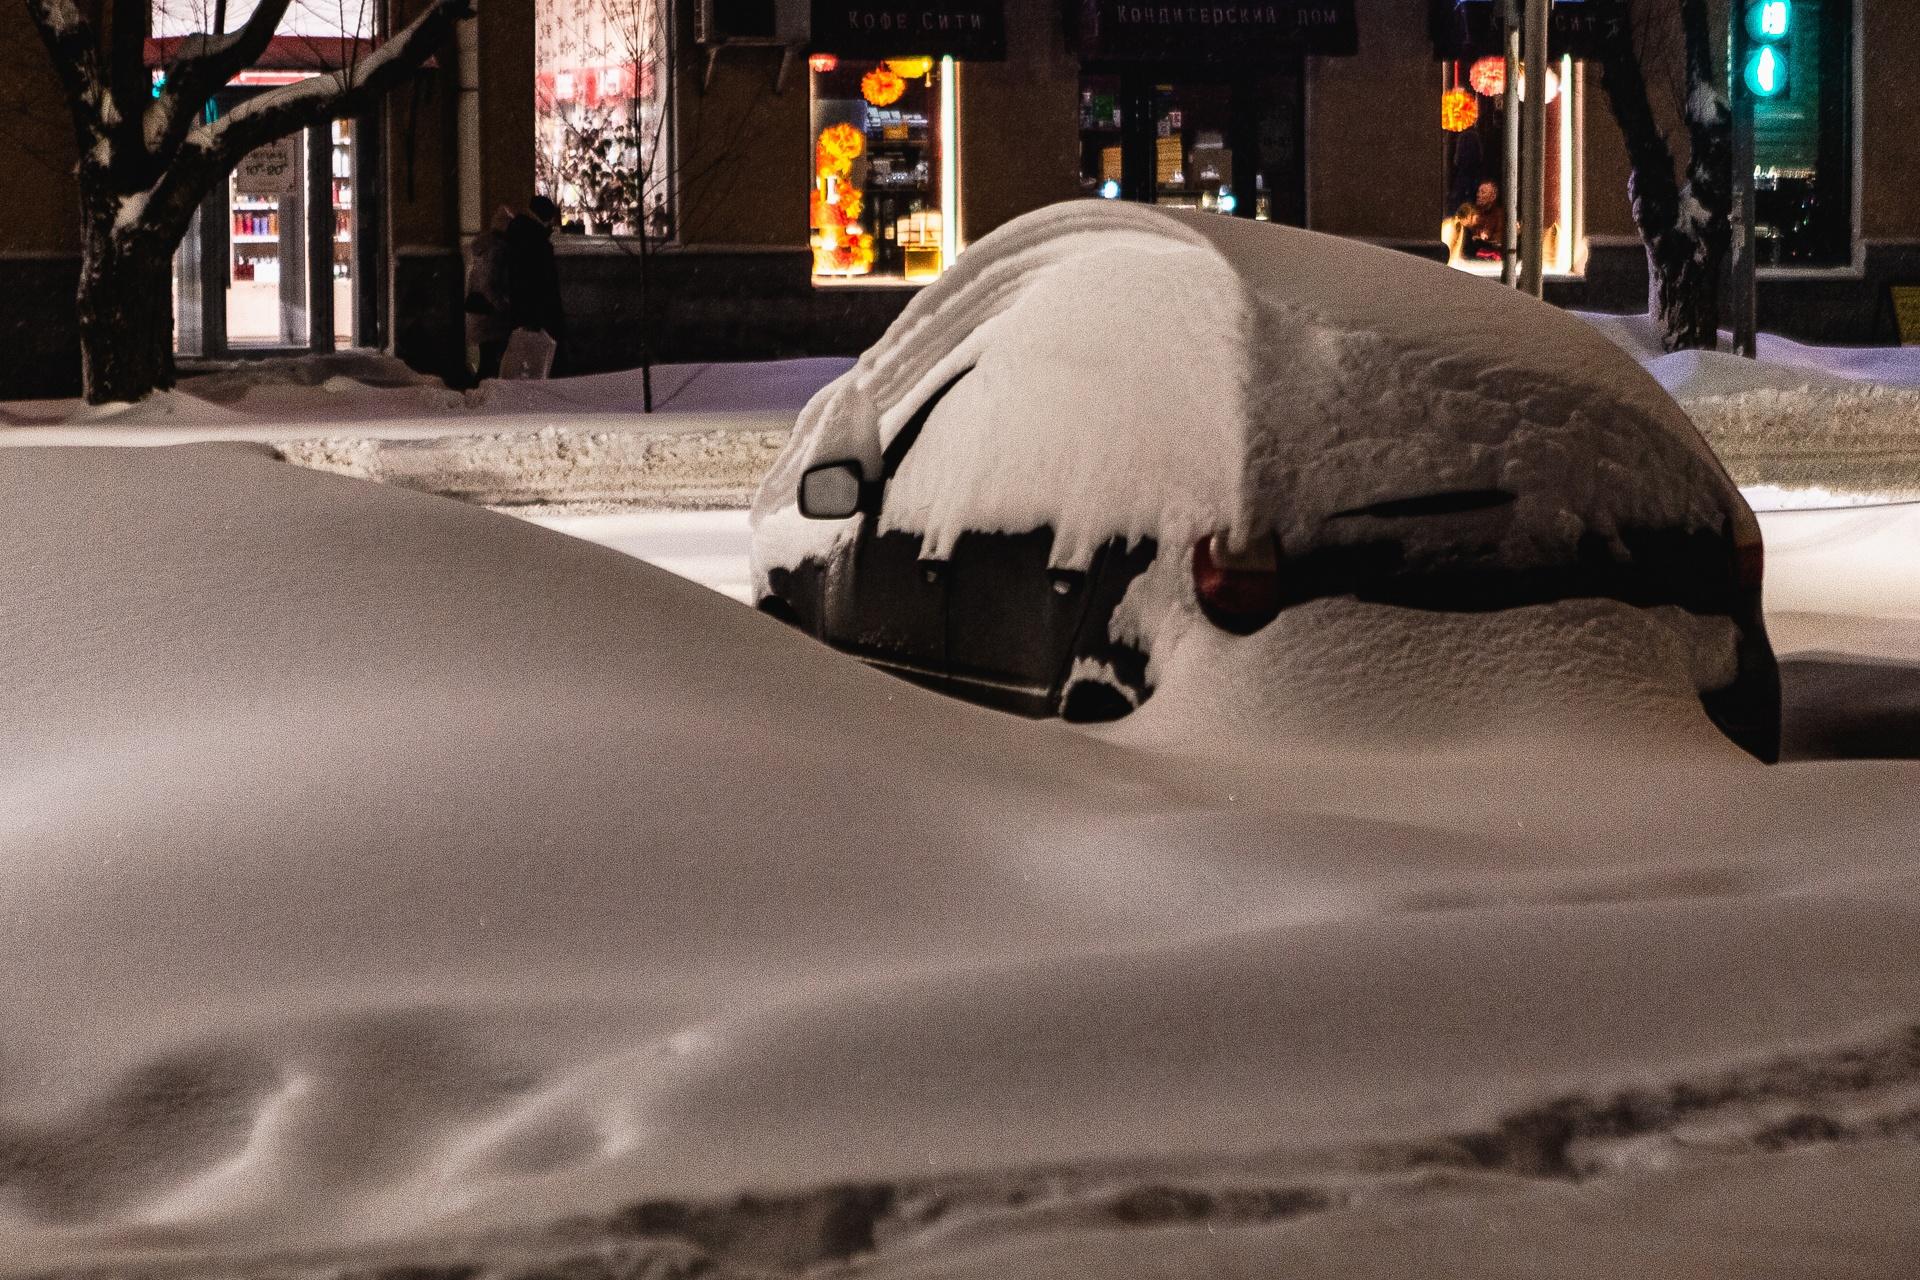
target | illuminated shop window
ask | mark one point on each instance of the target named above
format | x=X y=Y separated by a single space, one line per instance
x=1803 y=139
x=602 y=114
x=884 y=198
x=1472 y=110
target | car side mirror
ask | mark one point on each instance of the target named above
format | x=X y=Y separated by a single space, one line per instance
x=833 y=491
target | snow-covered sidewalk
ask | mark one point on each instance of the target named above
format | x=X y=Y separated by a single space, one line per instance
x=368 y=396
x=1801 y=427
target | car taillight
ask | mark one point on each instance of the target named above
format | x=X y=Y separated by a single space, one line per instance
x=1238 y=591
x=1749 y=562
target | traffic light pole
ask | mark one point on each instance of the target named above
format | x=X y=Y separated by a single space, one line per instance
x=1740 y=259
x=1510 y=151
x=1533 y=128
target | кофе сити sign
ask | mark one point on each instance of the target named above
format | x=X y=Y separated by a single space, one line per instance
x=973 y=30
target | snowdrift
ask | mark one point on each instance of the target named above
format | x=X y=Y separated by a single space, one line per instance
x=391 y=883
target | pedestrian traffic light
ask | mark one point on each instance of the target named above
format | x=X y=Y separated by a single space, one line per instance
x=1769 y=61
x=1767 y=72
x=1769 y=20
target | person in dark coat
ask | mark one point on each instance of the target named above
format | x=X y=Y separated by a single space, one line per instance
x=533 y=278
x=488 y=322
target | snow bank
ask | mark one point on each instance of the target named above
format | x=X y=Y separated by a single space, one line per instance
x=366 y=396
x=1801 y=423
x=381 y=868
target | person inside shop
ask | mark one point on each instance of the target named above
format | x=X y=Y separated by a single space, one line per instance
x=488 y=323
x=533 y=277
x=1478 y=226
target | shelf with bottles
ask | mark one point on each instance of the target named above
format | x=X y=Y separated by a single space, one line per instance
x=256 y=223
x=256 y=268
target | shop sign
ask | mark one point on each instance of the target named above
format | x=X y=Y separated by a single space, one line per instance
x=1133 y=30
x=272 y=169
x=1466 y=29
x=974 y=30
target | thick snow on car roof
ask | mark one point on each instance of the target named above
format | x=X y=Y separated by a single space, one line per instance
x=1142 y=371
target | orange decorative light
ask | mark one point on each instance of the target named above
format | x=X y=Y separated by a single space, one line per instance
x=1459 y=110
x=839 y=146
x=911 y=68
x=822 y=62
x=1488 y=77
x=882 y=86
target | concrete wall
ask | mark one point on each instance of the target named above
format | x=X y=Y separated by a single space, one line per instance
x=1019 y=124
x=745 y=158
x=505 y=45
x=1889 y=31
x=1376 y=164
x=423 y=213
x=39 y=221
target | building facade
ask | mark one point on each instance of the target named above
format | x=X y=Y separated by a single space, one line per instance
x=761 y=178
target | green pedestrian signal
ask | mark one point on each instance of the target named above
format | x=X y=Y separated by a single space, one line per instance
x=1769 y=63
x=1769 y=20
x=1767 y=72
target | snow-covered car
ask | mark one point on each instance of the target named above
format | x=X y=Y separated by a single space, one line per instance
x=983 y=501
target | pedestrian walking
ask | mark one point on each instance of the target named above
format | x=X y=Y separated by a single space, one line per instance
x=533 y=277
x=489 y=321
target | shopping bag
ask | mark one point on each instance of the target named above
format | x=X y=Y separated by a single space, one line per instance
x=529 y=354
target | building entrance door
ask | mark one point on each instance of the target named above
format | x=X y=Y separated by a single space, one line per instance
x=282 y=256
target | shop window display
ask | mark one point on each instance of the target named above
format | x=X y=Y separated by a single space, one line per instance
x=1803 y=152
x=1471 y=113
x=882 y=201
x=1225 y=143
x=602 y=115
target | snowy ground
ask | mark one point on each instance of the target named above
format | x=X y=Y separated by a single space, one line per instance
x=396 y=889
x=396 y=885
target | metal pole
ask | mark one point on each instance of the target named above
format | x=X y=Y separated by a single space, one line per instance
x=1533 y=131
x=1510 y=148
x=1740 y=263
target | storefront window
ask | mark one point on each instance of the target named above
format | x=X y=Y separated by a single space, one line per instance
x=602 y=114
x=1472 y=116
x=1802 y=146
x=884 y=198
x=1226 y=143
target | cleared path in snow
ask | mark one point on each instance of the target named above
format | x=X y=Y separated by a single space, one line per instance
x=710 y=547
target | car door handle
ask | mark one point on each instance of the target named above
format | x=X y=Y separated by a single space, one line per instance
x=1065 y=581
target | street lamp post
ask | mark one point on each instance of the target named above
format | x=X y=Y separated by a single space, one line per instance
x=1533 y=129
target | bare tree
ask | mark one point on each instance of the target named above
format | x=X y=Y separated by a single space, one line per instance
x=149 y=154
x=1683 y=216
x=611 y=160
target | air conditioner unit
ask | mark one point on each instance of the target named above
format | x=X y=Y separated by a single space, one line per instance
x=751 y=21
x=724 y=24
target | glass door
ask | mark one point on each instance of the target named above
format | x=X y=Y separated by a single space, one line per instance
x=345 y=228
x=267 y=252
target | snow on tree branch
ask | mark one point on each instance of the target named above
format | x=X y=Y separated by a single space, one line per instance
x=204 y=64
x=350 y=90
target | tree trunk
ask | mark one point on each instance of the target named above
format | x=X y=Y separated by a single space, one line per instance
x=1685 y=278
x=126 y=315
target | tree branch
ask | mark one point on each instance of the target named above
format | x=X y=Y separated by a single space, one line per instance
x=349 y=91
x=74 y=48
x=202 y=67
